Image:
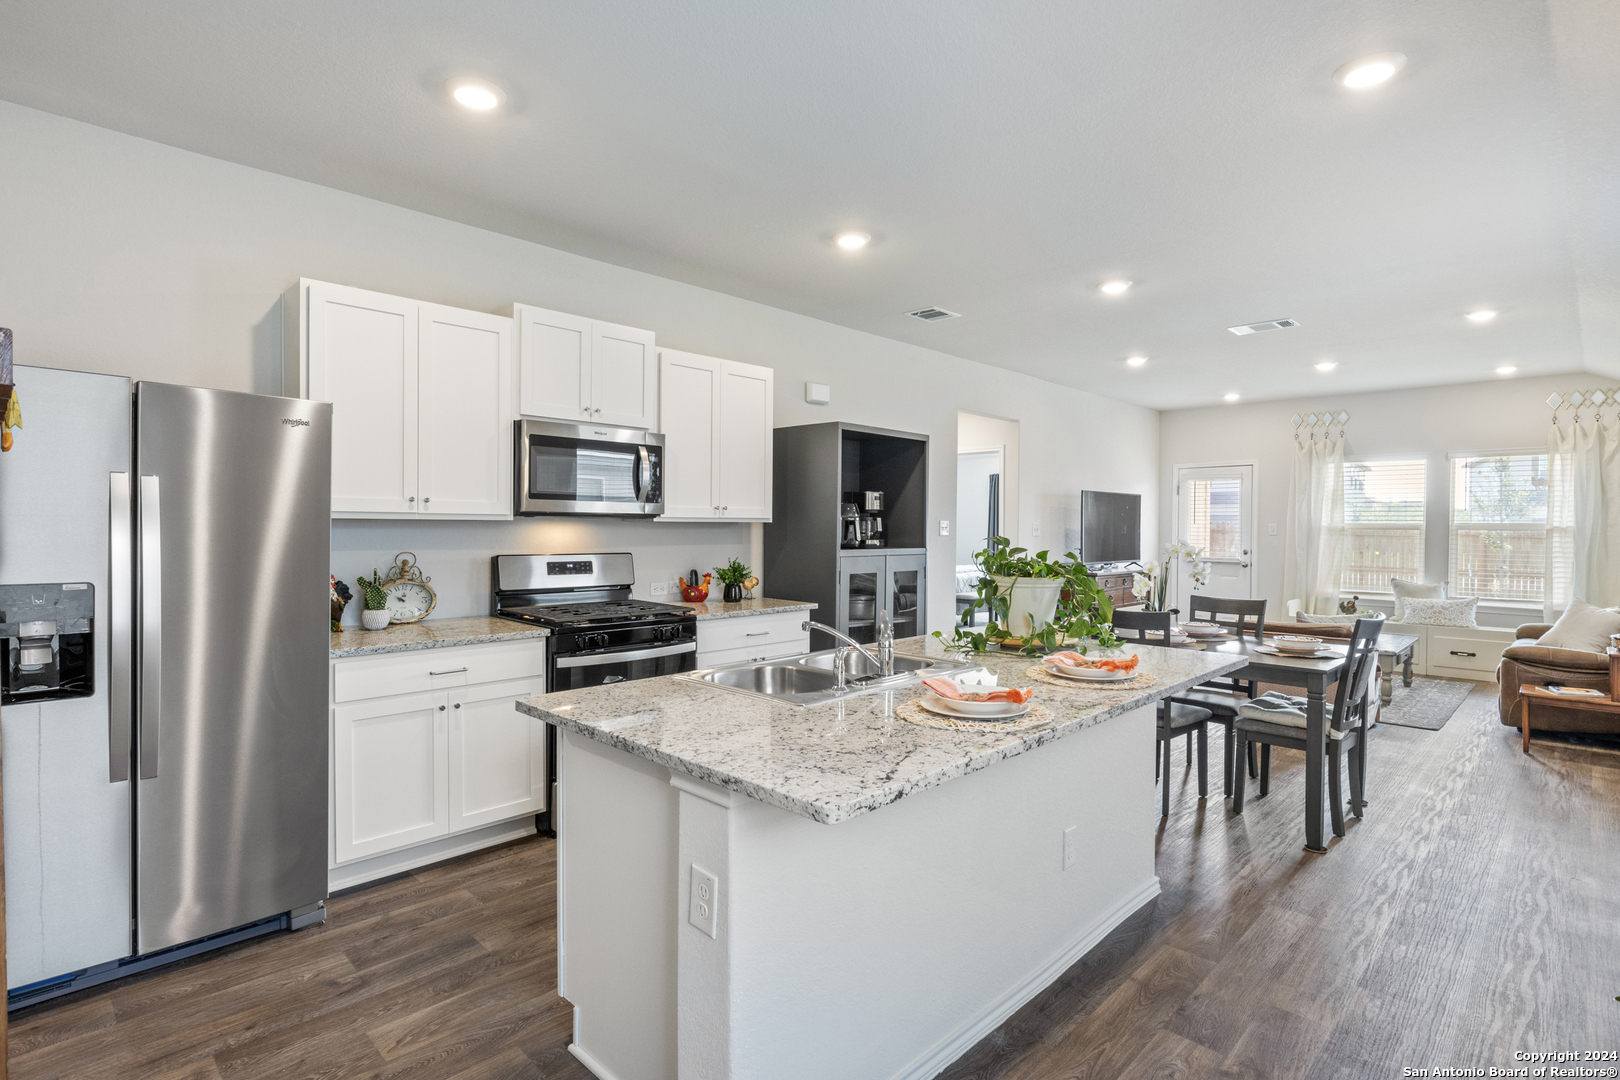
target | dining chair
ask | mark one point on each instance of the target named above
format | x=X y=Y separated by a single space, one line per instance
x=1222 y=696
x=1279 y=720
x=1174 y=719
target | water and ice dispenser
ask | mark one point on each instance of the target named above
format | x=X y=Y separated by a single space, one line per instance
x=47 y=642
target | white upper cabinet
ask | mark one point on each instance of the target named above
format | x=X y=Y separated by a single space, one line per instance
x=575 y=369
x=745 y=440
x=466 y=412
x=689 y=387
x=361 y=350
x=423 y=400
x=717 y=417
x=554 y=363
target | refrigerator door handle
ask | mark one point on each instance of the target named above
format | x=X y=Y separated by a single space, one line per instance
x=151 y=626
x=121 y=619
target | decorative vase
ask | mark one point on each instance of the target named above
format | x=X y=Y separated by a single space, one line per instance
x=733 y=594
x=375 y=620
x=1031 y=603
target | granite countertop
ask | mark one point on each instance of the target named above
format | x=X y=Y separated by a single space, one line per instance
x=834 y=762
x=719 y=609
x=431 y=634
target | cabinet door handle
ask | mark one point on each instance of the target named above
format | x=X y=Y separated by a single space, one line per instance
x=458 y=704
x=762 y=633
x=723 y=509
x=452 y=671
x=411 y=499
x=1455 y=652
x=441 y=708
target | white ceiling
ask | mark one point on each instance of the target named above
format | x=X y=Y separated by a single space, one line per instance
x=1006 y=156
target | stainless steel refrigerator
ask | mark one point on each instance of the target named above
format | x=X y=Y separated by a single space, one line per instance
x=163 y=623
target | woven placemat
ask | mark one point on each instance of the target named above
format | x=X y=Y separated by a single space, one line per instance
x=1142 y=681
x=913 y=713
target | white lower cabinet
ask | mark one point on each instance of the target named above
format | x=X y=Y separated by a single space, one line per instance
x=497 y=755
x=751 y=637
x=413 y=771
x=389 y=766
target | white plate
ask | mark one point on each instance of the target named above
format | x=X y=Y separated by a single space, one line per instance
x=1314 y=654
x=1086 y=674
x=1203 y=629
x=973 y=710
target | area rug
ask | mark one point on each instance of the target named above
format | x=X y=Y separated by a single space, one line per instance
x=1426 y=704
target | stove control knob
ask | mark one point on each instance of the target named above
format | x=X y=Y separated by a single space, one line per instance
x=594 y=641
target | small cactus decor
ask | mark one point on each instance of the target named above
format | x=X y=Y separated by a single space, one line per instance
x=371 y=589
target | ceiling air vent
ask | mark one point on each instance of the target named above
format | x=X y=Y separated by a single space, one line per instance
x=1262 y=327
x=933 y=314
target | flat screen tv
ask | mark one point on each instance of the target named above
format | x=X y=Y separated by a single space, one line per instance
x=1110 y=527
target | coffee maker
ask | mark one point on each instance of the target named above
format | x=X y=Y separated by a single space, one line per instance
x=46 y=642
x=869 y=504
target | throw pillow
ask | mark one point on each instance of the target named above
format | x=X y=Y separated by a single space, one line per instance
x=1459 y=612
x=1582 y=627
x=1341 y=620
x=1413 y=590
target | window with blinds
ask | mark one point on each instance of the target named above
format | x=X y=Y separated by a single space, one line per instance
x=1213 y=514
x=1499 y=526
x=1383 y=524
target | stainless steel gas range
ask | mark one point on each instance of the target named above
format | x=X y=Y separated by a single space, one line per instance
x=599 y=635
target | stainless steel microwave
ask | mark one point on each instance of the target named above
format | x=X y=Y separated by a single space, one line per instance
x=588 y=469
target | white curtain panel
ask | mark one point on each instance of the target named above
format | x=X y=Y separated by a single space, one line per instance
x=1583 y=515
x=1315 y=558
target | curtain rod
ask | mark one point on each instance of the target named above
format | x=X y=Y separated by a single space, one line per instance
x=1324 y=420
x=1582 y=399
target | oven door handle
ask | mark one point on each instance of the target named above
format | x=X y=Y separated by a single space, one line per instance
x=599 y=659
x=643 y=474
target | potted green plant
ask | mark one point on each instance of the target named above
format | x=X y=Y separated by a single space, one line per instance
x=1039 y=601
x=374 y=615
x=732 y=575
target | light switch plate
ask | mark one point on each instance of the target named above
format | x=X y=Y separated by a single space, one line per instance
x=704 y=906
x=1271 y=530
x=944 y=528
x=1035 y=530
x=1071 y=846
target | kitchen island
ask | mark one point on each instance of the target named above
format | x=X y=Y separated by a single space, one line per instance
x=754 y=890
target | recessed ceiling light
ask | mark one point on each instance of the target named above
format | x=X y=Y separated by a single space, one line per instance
x=853 y=241
x=1327 y=365
x=476 y=94
x=1371 y=70
x=1136 y=361
x=1483 y=315
x=1233 y=396
x=1506 y=369
x=1115 y=287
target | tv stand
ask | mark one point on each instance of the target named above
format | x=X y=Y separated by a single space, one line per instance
x=1115 y=581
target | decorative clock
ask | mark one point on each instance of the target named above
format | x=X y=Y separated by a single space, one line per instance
x=410 y=597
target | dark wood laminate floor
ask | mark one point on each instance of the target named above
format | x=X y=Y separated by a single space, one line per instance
x=1474 y=912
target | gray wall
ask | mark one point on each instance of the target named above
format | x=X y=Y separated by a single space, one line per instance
x=1501 y=414
x=127 y=256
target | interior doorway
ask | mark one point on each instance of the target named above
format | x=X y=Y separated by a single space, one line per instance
x=986 y=494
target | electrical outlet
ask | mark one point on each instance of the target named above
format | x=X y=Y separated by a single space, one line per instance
x=659 y=588
x=705 y=901
x=944 y=528
x=1271 y=530
x=1071 y=846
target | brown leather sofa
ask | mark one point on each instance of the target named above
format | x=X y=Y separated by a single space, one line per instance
x=1525 y=662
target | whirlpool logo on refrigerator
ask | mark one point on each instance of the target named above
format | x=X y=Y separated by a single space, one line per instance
x=293 y=421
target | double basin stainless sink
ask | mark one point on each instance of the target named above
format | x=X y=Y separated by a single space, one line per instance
x=808 y=679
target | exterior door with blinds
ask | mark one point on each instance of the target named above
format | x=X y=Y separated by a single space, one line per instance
x=1215 y=511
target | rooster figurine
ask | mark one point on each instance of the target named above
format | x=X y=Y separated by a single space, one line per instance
x=696 y=594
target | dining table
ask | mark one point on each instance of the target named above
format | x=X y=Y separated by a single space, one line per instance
x=1314 y=675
